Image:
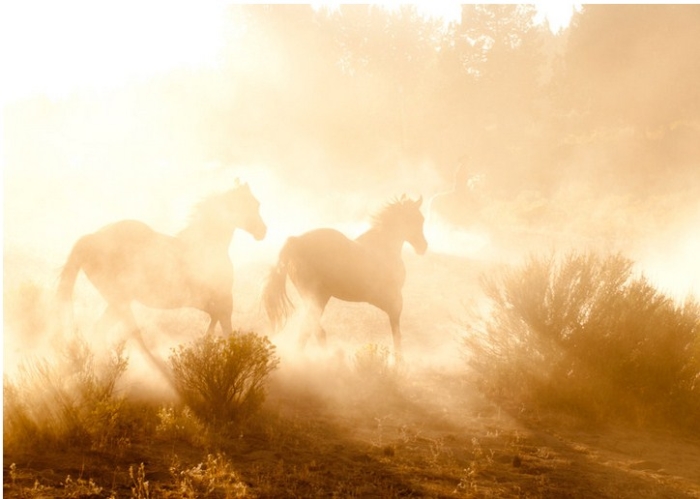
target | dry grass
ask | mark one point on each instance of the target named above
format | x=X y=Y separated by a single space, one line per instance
x=69 y=400
x=415 y=442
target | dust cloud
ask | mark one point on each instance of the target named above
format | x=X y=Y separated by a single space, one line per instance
x=330 y=114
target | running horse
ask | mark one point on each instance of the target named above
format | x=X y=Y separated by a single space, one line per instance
x=324 y=263
x=128 y=261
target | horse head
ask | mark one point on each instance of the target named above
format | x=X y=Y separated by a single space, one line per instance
x=412 y=221
x=244 y=209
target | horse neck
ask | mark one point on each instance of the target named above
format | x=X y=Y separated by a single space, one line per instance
x=383 y=240
x=203 y=235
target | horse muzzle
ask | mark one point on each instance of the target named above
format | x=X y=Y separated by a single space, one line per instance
x=256 y=228
x=259 y=233
x=420 y=247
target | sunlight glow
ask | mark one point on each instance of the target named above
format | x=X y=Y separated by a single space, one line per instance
x=61 y=47
x=557 y=15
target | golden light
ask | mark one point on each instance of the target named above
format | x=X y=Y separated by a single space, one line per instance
x=61 y=47
x=557 y=15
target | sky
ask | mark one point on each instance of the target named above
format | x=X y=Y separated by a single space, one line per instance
x=79 y=44
x=54 y=48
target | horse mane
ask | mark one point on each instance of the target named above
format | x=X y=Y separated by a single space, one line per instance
x=207 y=212
x=206 y=208
x=391 y=211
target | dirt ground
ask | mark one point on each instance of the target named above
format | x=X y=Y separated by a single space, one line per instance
x=327 y=431
x=416 y=442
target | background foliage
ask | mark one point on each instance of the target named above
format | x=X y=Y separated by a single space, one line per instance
x=612 y=97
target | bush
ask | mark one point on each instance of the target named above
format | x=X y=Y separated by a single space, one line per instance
x=213 y=478
x=70 y=401
x=582 y=334
x=180 y=424
x=223 y=379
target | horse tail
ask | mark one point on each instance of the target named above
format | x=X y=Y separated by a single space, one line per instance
x=274 y=296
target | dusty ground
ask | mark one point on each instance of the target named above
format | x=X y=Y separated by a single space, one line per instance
x=326 y=431
x=416 y=442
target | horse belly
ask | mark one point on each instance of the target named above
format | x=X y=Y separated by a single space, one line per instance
x=165 y=295
x=129 y=261
x=133 y=283
x=336 y=266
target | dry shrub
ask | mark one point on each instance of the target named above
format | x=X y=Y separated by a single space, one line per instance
x=223 y=379
x=582 y=334
x=179 y=423
x=213 y=478
x=68 y=401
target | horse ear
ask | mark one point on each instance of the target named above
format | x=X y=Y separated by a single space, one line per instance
x=236 y=182
x=403 y=197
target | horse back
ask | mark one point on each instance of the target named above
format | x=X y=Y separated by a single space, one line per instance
x=129 y=261
x=327 y=263
x=128 y=240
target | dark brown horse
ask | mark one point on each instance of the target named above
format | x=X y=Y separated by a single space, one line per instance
x=128 y=261
x=323 y=263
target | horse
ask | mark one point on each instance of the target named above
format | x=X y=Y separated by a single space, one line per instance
x=128 y=261
x=324 y=263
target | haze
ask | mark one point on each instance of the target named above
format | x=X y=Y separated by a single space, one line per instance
x=526 y=130
x=328 y=112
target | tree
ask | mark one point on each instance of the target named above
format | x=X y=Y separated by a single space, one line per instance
x=635 y=65
x=626 y=90
x=493 y=83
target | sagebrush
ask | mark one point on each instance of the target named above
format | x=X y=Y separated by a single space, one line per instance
x=213 y=478
x=583 y=333
x=223 y=379
x=71 y=400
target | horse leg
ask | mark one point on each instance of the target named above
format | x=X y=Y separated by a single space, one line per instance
x=320 y=334
x=394 y=321
x=224 y=320
x=313 y=323
x=212 y=324
x=127 y=316
x=226 y=326
x=320 y=306
x=311 y=319
x=394 y=313
x=220 y=312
